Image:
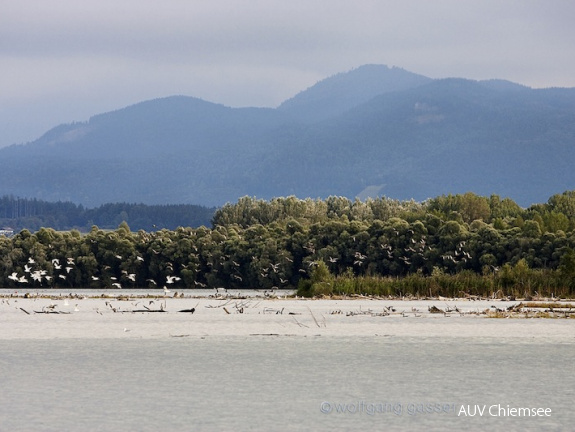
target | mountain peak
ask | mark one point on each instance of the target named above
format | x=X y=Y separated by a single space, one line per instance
x=343 y=91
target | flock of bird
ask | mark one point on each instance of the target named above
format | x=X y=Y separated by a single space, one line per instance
x=38 y=275
x=63 y=269
x=276 y=272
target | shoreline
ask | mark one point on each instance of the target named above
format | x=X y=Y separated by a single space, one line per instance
x=159 y=316
x=135 y=293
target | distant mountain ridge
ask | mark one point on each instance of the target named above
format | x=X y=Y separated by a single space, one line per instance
x=373 y=130
x=341 y=92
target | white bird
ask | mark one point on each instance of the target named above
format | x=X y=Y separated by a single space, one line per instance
x=27 y=269
x=70 y=261
x=31 y=260
x=95 y=278
x=132 y=277
x=68 y=269
x=14 y=277
x=166 y=290
x=172 y=279
x=139 y=258
x=117 y=285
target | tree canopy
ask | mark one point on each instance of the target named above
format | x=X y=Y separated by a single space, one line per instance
x=478 y=241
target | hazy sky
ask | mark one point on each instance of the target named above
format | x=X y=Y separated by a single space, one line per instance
x=65 y=60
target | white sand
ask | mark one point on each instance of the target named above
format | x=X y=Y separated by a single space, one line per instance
x=96 y=318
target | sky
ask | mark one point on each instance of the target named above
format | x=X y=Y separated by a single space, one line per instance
x=62 y=61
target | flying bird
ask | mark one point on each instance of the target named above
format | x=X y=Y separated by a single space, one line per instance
x=172 y=279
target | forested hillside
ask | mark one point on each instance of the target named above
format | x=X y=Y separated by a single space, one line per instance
x=452 y=245
x=374 y=131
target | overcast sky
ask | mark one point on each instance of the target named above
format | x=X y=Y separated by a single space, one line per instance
x=66 y=60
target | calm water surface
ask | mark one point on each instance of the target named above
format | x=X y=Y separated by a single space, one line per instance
x=286 y=383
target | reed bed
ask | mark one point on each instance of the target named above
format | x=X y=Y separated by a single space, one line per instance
x=535 y=285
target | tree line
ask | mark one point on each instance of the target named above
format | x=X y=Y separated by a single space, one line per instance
x=448 y=245
x=33 y=214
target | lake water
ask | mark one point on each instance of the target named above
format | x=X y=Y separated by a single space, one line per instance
x=264 y=383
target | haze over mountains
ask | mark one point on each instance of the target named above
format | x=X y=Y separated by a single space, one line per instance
x=371 y=131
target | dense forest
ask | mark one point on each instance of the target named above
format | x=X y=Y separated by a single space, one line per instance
x=452 y=245
x=33 y=214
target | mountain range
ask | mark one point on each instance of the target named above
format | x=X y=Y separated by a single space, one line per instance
x=372 y=131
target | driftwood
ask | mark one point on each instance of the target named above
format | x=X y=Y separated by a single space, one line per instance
x=146 y=310
x=52 y=312
x=314 y=320
x=24 y=310
x=299 y=324
x=515 y=307
x=219 y=306
x=191 y=310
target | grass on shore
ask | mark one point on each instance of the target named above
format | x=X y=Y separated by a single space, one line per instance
x=529 y=285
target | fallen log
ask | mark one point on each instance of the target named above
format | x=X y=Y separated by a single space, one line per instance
x=53 y=312
x=146 y=310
